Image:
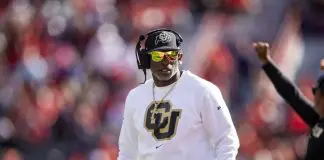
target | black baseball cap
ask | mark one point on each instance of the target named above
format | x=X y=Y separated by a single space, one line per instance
x=161 y=40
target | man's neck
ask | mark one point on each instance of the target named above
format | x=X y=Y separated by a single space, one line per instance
x=168 y=82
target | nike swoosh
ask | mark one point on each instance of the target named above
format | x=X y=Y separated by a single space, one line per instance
x=158 y=146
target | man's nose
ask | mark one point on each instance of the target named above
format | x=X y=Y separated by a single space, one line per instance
x=165 y=60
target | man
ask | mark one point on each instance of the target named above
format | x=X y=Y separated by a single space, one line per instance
x=314 y=118
x=175 y=115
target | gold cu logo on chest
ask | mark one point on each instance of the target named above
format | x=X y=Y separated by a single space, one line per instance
x=162 y=120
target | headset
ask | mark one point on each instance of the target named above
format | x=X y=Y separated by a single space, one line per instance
x=143 y=58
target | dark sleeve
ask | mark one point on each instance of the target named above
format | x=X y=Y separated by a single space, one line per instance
x=291 y=94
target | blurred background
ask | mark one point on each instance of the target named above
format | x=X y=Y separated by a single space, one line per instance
x=66 y=67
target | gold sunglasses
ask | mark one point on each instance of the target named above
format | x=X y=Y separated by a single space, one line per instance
x=157 y=56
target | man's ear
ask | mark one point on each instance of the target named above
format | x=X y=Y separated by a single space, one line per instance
x=180 y=56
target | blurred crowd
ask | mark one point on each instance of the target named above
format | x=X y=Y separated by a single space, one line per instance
x=66 y=67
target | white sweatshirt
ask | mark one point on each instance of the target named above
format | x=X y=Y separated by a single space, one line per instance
x=192 y=123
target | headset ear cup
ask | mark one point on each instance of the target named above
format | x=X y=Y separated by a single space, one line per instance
x=145 y=60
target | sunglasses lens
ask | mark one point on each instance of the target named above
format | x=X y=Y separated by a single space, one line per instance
x=157 y=56
x=172 y=55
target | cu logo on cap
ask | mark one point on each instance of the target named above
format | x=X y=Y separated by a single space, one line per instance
x=163 y=37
